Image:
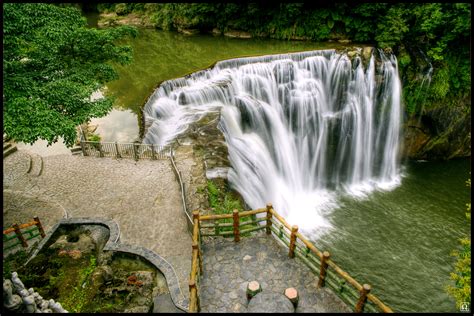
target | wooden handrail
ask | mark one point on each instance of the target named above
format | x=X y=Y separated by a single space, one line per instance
x=345 y=275
x=309 y=245
x=12 y=229
x=252 y=212
x=195 y=264
x=17 y=230
x=281 y=219
x=379 y=303
x=213 y=217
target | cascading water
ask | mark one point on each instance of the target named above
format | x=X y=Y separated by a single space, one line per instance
x=299 y=127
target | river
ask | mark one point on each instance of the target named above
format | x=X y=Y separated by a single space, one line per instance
x=398 y=241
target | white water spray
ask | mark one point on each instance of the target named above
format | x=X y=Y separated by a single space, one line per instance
x=299 y=127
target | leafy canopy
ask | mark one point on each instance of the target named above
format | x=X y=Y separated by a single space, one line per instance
x=52 y=63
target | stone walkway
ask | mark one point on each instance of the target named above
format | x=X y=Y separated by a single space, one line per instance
x=142 y=197
x=229 y=266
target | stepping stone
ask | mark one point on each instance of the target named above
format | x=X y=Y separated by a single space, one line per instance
x=292 y=294
x=253 y=288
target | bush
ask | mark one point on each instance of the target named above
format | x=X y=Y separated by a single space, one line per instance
x=122 y=9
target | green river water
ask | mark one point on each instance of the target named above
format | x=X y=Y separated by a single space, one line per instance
x=398 y=241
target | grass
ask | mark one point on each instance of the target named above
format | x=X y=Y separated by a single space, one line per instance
x=14 y=262
x=223 y=200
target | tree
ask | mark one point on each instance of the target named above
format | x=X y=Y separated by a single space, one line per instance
x=52 y=63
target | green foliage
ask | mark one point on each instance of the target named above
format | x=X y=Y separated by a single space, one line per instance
x=94 y=137
x=392 y=28
x=51 y=65
x=13 y=262
x=122 y=9
x=222 y=201
x=81 y=292
x=462 y=274
x=462 y=270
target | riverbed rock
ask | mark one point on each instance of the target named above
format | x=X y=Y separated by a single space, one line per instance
x=344 y=41
x=237 y=34
x=366 y=53
x=216 y=31
x=189 y=31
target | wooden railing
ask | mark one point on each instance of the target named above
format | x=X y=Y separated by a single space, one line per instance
x=124 y=150
x=329 y=273
x=196 y=267
x=23 y=236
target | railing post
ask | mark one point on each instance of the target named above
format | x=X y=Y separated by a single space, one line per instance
x=192 y=297
x=40 y=226
x=359 y=308
x=196 y=247
x=99 y=146
x=216 y=228
x=236 y=226
x=269 y=219
x=117 y=153
x=83 y=147
x=196 y=228
x=324 y=267
x=153 y=157
x=20 y=236
x=135 y=152
x=294 y=230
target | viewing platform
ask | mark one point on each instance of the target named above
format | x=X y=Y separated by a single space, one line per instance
x=229 y=266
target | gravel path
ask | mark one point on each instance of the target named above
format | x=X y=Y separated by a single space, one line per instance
x=142 y=197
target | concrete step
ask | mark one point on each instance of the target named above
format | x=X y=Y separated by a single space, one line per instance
x=76 y=149
x=6 y=138
x=6 y=146
x=9 y=151
x=36 y=165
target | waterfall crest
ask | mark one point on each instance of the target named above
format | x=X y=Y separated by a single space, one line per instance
x=299 y=127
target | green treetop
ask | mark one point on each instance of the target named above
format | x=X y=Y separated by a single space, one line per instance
x=52 y=63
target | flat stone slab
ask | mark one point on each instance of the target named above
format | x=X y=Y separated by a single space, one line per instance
x=270 y=302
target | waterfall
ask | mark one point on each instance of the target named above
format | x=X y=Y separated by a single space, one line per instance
x=300 y=128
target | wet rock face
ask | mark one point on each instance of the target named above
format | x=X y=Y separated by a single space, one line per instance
x=441 y=133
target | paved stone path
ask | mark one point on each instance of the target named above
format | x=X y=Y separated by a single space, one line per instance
x=142 y=197
x=229 y=266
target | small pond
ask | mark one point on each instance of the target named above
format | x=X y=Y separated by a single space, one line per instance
x=73 y=270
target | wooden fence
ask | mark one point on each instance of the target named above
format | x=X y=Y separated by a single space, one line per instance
x=196 y=266
x=329 y=273
x=125 y=150
x=22 y=237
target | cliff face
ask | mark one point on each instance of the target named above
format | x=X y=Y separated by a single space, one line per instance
x=441 y=133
